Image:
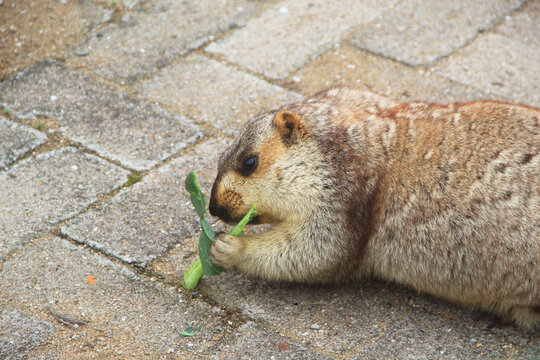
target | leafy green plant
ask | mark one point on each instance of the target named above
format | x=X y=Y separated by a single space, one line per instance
x=203 y=265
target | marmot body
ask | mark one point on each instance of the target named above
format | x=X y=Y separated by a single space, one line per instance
x=442 y=198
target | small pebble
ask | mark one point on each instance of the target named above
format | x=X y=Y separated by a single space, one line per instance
x=315 y=327
x=127 y=19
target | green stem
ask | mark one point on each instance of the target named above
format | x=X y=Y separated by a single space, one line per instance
x=238 y=230
x=193 y=275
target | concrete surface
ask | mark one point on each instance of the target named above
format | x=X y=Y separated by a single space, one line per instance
x=120 y=126
x=17 y=140
x=191 y=86
x=419 y=32
x=20 y=333
x=148 y=37
x=43 y=190
x=295 y=32
x=96 y=229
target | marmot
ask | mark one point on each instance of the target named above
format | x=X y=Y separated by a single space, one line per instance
x=442 y=198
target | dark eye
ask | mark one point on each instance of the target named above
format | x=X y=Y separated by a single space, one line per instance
x=249 y=165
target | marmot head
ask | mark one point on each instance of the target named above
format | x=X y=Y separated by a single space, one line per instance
x=273 y=162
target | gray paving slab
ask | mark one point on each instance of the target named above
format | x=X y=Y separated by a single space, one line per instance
x=419 y=32
x=254 y=341
x=369 y=315
x=523 y=25
x=121 y=127
x=16 y=140
x=344 y=319
x=293 y=32
x=498 y=65
x=143 y=221
x=347 y=65
x=21 y=333
x=208 y=90
x=331 y=319
x=147 y=39
x=120 y=315
x=42 y=190
x=428 y=335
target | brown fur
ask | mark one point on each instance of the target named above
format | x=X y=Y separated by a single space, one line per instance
x=443 y=198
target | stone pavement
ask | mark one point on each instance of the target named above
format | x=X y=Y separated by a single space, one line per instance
x=95 y=147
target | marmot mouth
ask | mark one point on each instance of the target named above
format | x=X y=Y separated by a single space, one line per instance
x=254 y=221
x=233 y=221
x=222 y=213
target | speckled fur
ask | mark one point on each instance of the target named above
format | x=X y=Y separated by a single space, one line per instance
x=442 y=198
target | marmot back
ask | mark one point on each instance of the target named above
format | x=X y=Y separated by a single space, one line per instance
x=443 y=198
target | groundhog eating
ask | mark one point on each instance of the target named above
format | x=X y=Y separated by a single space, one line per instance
x=442 y=198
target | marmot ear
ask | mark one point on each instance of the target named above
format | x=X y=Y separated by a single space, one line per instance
x=290 y=126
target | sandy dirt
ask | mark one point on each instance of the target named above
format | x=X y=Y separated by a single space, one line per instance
x=34 y=30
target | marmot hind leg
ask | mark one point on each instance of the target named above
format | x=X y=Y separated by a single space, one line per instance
x=525 y=316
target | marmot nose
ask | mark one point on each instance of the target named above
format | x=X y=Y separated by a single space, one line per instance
x=216 y=210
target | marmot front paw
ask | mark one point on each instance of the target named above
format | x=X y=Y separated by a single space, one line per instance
x=226 y=249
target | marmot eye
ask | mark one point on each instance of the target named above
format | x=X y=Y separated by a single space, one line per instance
x=249 y=165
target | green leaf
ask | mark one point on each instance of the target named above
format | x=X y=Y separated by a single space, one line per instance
x=197 y=197
x=205 y=242
x=207 y=229
x=190 y=331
